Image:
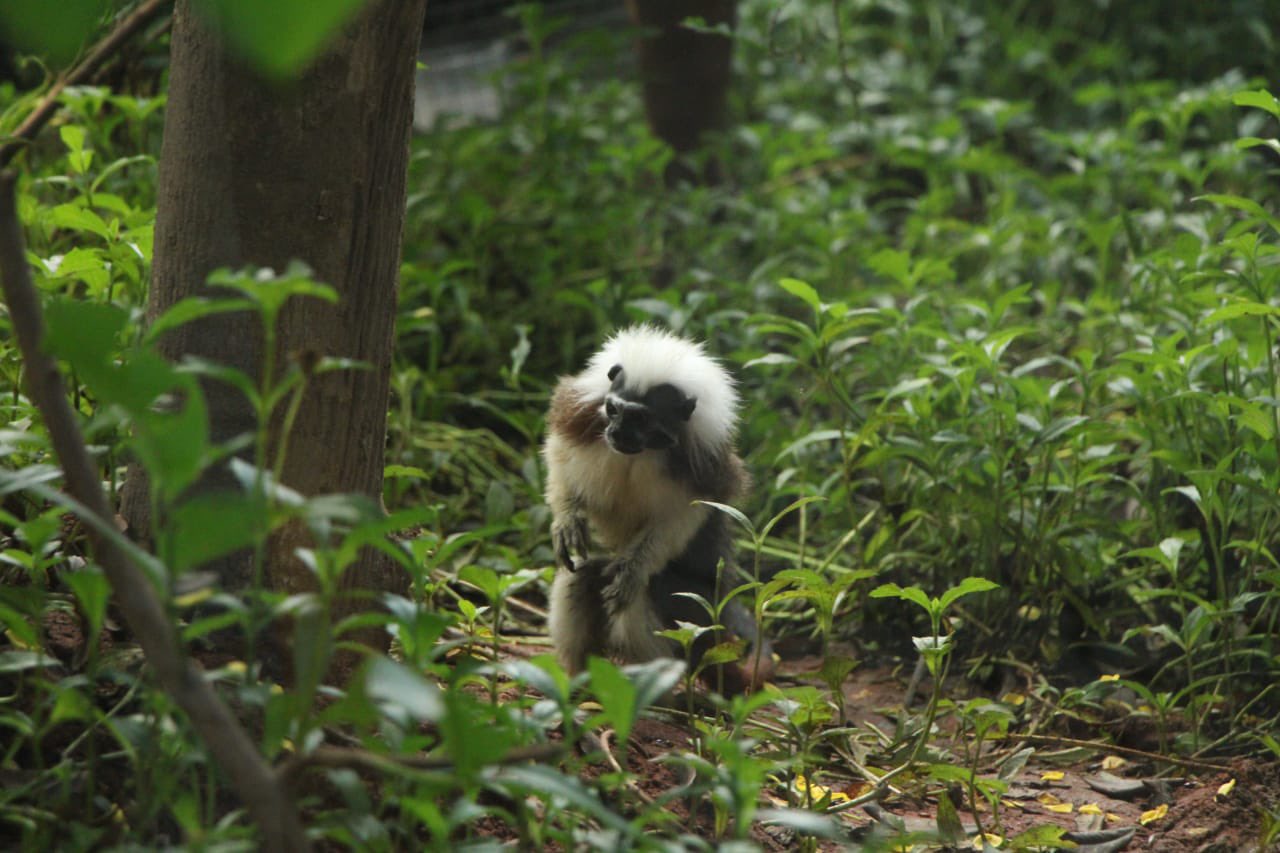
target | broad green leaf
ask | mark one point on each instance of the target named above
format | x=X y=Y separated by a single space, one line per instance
x=546 y=781
x=1243 y=308
x=84 y=334
x=1260 y=98
x=55 y=30
x=208 y=526
x=394 y=684
x=965 y=587
x=279 y=37
x=1255 y=142
x=617 y=696
x=73 y=217
x=193 y=308
x=803 y=291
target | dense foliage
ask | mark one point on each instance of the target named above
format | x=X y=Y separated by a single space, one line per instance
x=1000 y=285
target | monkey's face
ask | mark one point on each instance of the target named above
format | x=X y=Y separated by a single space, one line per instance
x=654 y=420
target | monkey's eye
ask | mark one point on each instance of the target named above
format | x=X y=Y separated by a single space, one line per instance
x=610 y=408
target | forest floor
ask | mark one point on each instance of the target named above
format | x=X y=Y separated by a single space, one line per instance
x=1107 y=797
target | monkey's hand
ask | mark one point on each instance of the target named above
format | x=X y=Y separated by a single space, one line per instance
x=570 y=536
x=623 y=584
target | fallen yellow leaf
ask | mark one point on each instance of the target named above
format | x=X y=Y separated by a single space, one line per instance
x=16 y=641
x=1052 y=776
x=1113 y=762
x=1090 y=808
x=1061 y=808
x=1047 y=799
x=1153 y=815
x=191 y=599
x=981 y=840
x=1108 y=677
x=1227 y=788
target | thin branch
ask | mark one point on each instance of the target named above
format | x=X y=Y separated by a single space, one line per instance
x=266 y=800
x=362 y=759
x=1189 y=763
x=83 y=70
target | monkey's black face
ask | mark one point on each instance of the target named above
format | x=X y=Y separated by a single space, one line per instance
x=653 y=420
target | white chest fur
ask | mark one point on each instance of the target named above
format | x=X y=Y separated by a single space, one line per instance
x=622 y=494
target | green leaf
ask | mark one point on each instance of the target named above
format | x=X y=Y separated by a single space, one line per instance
x=617 y=696
x=193 y=308
x=910 y=593
x=949 y=826
x=803 y=291
x=546 y=781
x=1260 y=98
x=83 y=334
x=1243 y=308
x=54 y=30
x=1047 y=836
x=1245 y=142
x=73 y=217
x=733 y=512
x=20 y=660
x=965 y=587
x=802 y=822
x=654 y=679
x=73 y=136
x=279 y=37
x=92 y=591
x=397 y=686
x=212 y=525
x=1248 y=205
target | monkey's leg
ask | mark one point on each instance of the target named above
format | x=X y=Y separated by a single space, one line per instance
x=576 y=620
x=627 y=577
x=631 y=632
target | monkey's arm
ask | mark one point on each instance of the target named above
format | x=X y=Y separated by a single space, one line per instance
x=570 y=533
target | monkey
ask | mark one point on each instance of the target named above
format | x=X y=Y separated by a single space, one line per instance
x=644 y=431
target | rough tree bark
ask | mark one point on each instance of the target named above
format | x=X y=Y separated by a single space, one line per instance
x=258 y=173
x=685 y=75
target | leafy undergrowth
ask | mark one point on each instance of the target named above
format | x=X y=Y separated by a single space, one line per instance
x=1001 y=287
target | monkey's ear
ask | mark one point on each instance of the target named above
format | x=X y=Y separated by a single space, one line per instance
x=614 y=371
x=686 y=410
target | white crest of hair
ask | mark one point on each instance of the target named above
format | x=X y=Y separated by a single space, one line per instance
x=650 y=356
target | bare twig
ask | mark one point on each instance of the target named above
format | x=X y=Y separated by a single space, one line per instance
x=267 y=801
x=1189 y=763
x=83 y=70
x=362 y=759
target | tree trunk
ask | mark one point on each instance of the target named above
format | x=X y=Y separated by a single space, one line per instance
x=685 y=75
x=256 y=173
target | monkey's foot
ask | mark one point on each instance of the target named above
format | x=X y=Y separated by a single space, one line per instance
x=623 y=586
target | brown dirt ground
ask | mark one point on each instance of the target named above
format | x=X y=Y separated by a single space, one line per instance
x=1202 y=815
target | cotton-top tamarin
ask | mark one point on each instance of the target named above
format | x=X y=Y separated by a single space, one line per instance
x=642 y=432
